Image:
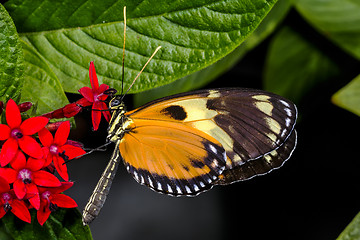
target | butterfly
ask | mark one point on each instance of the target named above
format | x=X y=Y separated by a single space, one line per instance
x=187 y=143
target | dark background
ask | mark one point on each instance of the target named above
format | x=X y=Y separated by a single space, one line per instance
x=313 y=196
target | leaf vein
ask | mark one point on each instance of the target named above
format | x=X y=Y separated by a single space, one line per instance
x=146 y=57
x=162 y=40
x=106 y=10
x=32 y=13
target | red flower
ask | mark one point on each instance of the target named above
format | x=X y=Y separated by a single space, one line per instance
x=26 y=176
x=17 y=134
x=51 y=199
x=9 y=202
x=57 y=149
x=96 y=96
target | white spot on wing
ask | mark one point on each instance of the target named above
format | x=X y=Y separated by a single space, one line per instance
x=287 y=122
x=159 y=186
x=150 y=182
x=178 y=190
x=136 y=175
x=213 y=149
x=288 y=112
x=208 y=180
x=284 y=103
x=188 y=190
x=169 y=188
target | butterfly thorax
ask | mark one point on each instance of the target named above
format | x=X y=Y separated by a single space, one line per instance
x=119 y=124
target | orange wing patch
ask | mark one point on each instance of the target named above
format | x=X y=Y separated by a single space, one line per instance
x=171 y=157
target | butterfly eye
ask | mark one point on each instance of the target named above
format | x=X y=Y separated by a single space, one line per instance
x=115 y=102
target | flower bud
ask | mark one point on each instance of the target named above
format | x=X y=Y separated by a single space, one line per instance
x=75 y=143
x=23 y=107
x=52 y=127
x=1 y=106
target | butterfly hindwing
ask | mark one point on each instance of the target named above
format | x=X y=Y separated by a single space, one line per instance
x=260 y=166
x=172 y=158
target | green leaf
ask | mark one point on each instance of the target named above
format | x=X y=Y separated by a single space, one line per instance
x=204 y=76
x=11 y=59
x=41 y=85
x=193 y=35
x=62 y=224
x=349 y=96
x=294 y=66
x=337 y=20
x=352 y=231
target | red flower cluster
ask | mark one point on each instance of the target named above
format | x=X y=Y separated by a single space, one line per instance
x=25 y=177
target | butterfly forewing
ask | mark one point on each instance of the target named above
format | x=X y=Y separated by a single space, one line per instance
x=247 y=123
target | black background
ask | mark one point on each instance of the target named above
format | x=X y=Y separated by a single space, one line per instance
x=313 y=196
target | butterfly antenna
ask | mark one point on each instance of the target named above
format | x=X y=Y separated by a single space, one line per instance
x=123 y=56
x=137 y=76
x=100 y=148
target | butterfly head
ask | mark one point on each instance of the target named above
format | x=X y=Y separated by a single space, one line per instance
x=117 y=104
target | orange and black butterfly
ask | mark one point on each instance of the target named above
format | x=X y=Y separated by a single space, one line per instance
x=187 y=143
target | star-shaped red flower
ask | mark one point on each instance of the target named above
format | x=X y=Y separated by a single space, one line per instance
x=26 y=176
x=96 y=96
x=51 y=199
x=9 y=202
x=57 y=149
x=18 y=134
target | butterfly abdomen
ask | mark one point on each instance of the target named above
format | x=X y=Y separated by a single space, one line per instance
x=98 y=197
